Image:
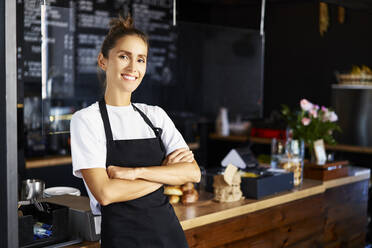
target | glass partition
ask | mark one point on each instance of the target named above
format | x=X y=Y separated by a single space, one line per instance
x=57 y=68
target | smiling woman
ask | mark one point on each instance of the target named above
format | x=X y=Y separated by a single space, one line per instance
x=126 y=151
x=124 y=67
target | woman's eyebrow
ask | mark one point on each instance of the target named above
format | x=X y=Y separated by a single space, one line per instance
x=127 y=52
x=124 y=51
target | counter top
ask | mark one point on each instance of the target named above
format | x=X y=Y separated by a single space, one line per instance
x=207 y=211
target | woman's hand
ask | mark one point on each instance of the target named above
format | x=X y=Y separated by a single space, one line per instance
x=121 y=172
x=179 y=155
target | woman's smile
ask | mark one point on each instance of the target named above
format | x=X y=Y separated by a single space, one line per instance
x=128 y=77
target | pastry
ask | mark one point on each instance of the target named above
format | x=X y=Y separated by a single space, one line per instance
x=172 y=190
x=174 y=199
x=187 y=187
x=190 y=196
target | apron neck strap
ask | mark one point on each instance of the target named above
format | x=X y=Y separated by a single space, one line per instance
x=106 y=122
x=157 y=131
x=105 y=118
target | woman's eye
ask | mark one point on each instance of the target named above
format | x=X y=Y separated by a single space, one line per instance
x=141 y=60
x=123 y=56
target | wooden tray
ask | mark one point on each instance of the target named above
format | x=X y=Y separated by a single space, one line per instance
x=327 y=171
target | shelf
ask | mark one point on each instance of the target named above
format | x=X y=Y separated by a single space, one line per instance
x=48 y=161
x=267 y=141
x=353 y=87
x=350 y=148
x=232 y=138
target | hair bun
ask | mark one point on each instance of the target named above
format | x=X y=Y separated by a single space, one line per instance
x=121 y=23
x=120 y=27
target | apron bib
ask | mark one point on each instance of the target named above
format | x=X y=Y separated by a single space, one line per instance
x=148 y=221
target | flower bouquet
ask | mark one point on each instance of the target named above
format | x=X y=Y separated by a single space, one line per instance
x=311 y=123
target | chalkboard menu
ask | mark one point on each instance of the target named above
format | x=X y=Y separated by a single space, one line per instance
x=29 y=38
x=59 y=41
x=154 y=18
x=29 y=48
x=92 y=23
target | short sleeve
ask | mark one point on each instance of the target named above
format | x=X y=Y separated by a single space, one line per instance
x=87 y=150
x=171 y=137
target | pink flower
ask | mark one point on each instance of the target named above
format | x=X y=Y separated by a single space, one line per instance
x=314 y=113
x=306 y=105
x=306 y=121
x=325 y=114
x=333 y=117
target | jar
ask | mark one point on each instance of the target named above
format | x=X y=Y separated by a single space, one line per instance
x=295 y=165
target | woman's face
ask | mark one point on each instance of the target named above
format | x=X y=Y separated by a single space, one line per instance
x=126 y=64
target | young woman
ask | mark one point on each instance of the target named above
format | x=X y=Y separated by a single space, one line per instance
x=126 y=152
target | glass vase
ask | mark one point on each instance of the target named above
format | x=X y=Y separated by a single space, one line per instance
x=293 y=160
x=312 y=153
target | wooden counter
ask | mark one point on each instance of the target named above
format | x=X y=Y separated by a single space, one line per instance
x=207 y=211
x=318 y=214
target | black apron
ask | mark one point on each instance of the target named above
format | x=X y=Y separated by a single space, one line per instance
x=148 y=221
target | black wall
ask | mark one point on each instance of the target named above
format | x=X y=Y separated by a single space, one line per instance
x=299 y=63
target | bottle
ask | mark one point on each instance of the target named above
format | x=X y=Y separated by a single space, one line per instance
x=222 y=123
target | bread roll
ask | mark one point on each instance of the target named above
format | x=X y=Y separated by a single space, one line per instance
x=172 y=190
x=187 y=187
x=174 y=199
x=190 y=196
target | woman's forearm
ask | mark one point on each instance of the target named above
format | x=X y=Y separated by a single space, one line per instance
x=108 y=190
x=172 y=174
x=119 y=190
x=178 y=168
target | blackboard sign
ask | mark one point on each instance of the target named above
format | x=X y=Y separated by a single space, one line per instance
x=29 y=40
x=91 y=21
x=92 y=24
x=62 y=70
x=154 y=18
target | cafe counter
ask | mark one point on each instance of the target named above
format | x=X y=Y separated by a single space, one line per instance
x=317 y=214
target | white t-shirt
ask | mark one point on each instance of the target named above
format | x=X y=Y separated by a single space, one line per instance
x=88 y=138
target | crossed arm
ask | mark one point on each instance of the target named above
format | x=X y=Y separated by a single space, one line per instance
x=117 y=184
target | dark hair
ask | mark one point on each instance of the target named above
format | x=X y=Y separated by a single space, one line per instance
x=120 y=27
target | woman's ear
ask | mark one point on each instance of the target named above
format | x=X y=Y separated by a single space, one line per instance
x=101 y=61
